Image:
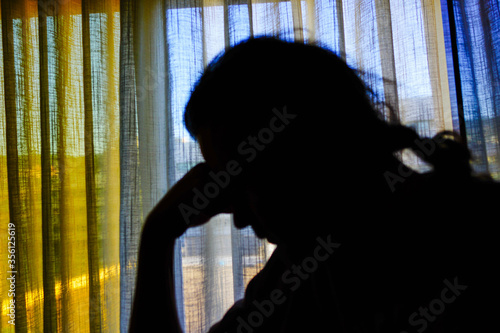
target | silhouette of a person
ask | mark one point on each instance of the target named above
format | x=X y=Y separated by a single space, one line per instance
x=295 y=148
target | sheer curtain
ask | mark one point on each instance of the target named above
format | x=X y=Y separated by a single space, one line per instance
x=398 y=46
x=91 y=133
x=162 y=55
x=59 y=153
x=474 y=61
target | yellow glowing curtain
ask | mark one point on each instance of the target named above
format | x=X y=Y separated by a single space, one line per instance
x=59 y=163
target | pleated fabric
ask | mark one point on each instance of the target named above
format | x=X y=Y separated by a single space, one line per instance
x=60 y=165
x=92 y=95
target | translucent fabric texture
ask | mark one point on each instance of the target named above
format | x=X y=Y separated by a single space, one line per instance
x=92 y=94
x=59 y=163
x=397 y=46
x=477 y=75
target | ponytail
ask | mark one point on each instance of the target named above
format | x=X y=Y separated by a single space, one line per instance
x=451 y=155
x=446 y=151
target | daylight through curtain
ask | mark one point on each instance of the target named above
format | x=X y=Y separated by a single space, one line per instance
x=59 y=163
x=167 y=45
x=477 y=76
x=92 y=94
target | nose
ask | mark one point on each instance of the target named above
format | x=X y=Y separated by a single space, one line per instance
x=241 y=218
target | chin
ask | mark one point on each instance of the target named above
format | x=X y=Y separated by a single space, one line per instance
x=259 y=233
x=272 y=240
x=263 y=235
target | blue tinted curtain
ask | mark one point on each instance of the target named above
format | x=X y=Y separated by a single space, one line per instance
x=474 y=53
x=164 y=47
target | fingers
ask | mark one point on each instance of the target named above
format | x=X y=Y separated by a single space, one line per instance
x=203 y=195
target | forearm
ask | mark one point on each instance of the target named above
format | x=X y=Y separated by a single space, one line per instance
x=154 y=308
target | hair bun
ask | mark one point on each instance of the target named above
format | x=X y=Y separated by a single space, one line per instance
x=451 y=154
x=400 y=137
x=446 y=151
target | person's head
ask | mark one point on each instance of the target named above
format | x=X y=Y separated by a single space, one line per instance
x=241 y=90
x=301 y=125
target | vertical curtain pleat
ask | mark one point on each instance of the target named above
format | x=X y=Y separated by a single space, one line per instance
x=340 y=28
x=150 y=64
x=436 y=63
x=130 y=177
x=144 y=132
x=90 y=180
x=49 y=232
x=19 y=39
x=11 y=144
x=478 y=48
x=100 y=51
x=69 y=115
x=297 y=19
x=470 y=89
x=183 y=33
x=388 y=62
x=4 y=190
x=490 y=16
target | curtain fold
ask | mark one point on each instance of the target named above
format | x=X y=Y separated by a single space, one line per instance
x=49 y=234
x=18 y=202
x=130 y=177
x=477 y=68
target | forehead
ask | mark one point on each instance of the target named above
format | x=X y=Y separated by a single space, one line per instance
x=210 y=141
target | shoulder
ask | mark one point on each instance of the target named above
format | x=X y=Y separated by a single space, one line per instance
x=286 y=296
x=246 y=313
x=449 y=187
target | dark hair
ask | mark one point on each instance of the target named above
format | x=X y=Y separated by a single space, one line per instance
x=239 y=89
